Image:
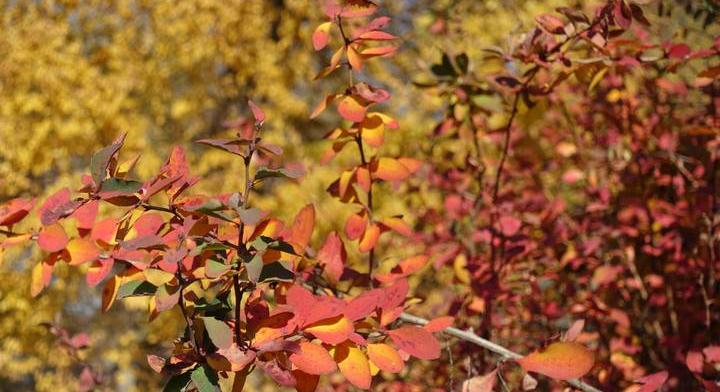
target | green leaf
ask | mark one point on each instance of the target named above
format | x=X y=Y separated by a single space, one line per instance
x=254 y=267
x=177 y=383
x=135 y=288
x=122 y=186
x=463 y=62
x=219 y=332
x=205 y=379
x=445 y=69
x=265 y=172
x=276 y=272
x=214 y=269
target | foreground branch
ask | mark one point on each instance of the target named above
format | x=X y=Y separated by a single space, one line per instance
x=488 y=345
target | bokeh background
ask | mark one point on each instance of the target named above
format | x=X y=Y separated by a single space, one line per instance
x=75 y=74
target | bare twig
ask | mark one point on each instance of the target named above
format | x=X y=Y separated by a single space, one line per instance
x=488 y=345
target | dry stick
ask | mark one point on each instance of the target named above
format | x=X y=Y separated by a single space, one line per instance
x=490 y=346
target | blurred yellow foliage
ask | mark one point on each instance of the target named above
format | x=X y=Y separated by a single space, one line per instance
x=75 y=74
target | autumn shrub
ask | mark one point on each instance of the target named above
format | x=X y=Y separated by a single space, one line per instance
x=563 y=207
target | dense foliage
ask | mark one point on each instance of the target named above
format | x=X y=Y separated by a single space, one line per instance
x=564 y=205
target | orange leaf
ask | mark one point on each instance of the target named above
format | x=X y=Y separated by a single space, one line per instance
x=82 y=250
x=105 y=231
x=389 y=169
x=438 y=324
x=362 y=175
x=351 y=110
x=313 y=359
x=52 y=238
x=305 y=382
x=385 y=357
x=398 y=225
x=322 y=105
x=302 y=229
x=379 y=51
x=373 y=131
x=110 y=292
x=85 y=215
x=353 y=365
x=41 y=276
x=355 y=225
x=412 y=165
x=561 y=361
x=354 y=58
x=321 y=35
x=369 y=238
x=331 y=331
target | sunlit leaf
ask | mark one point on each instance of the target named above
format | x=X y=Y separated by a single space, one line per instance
x=52 y=238
x=353 y=365
x=385 y=357
x=313 y=359
x=560 y=360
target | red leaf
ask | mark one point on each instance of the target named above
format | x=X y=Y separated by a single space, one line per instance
x=98 y=271
x=509 y=225
x=394 y=295
x=652 y=382
x=561 y=361
x=416 y=341
x=678 y=51
x=52 y=238
x=321 y=36
x=258 y=114
x=551 y=23
x=364 y=304
x=333 y=255
x=712 y=353
x=15 y=210
x=309 y=309
x=440 y=323
x=57 y=206
x=376 y=36
x=355 y=225
x=351 y=110
x=694 y=361
x=86 y=214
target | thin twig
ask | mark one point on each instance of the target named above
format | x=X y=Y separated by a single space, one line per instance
x=488 y=345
